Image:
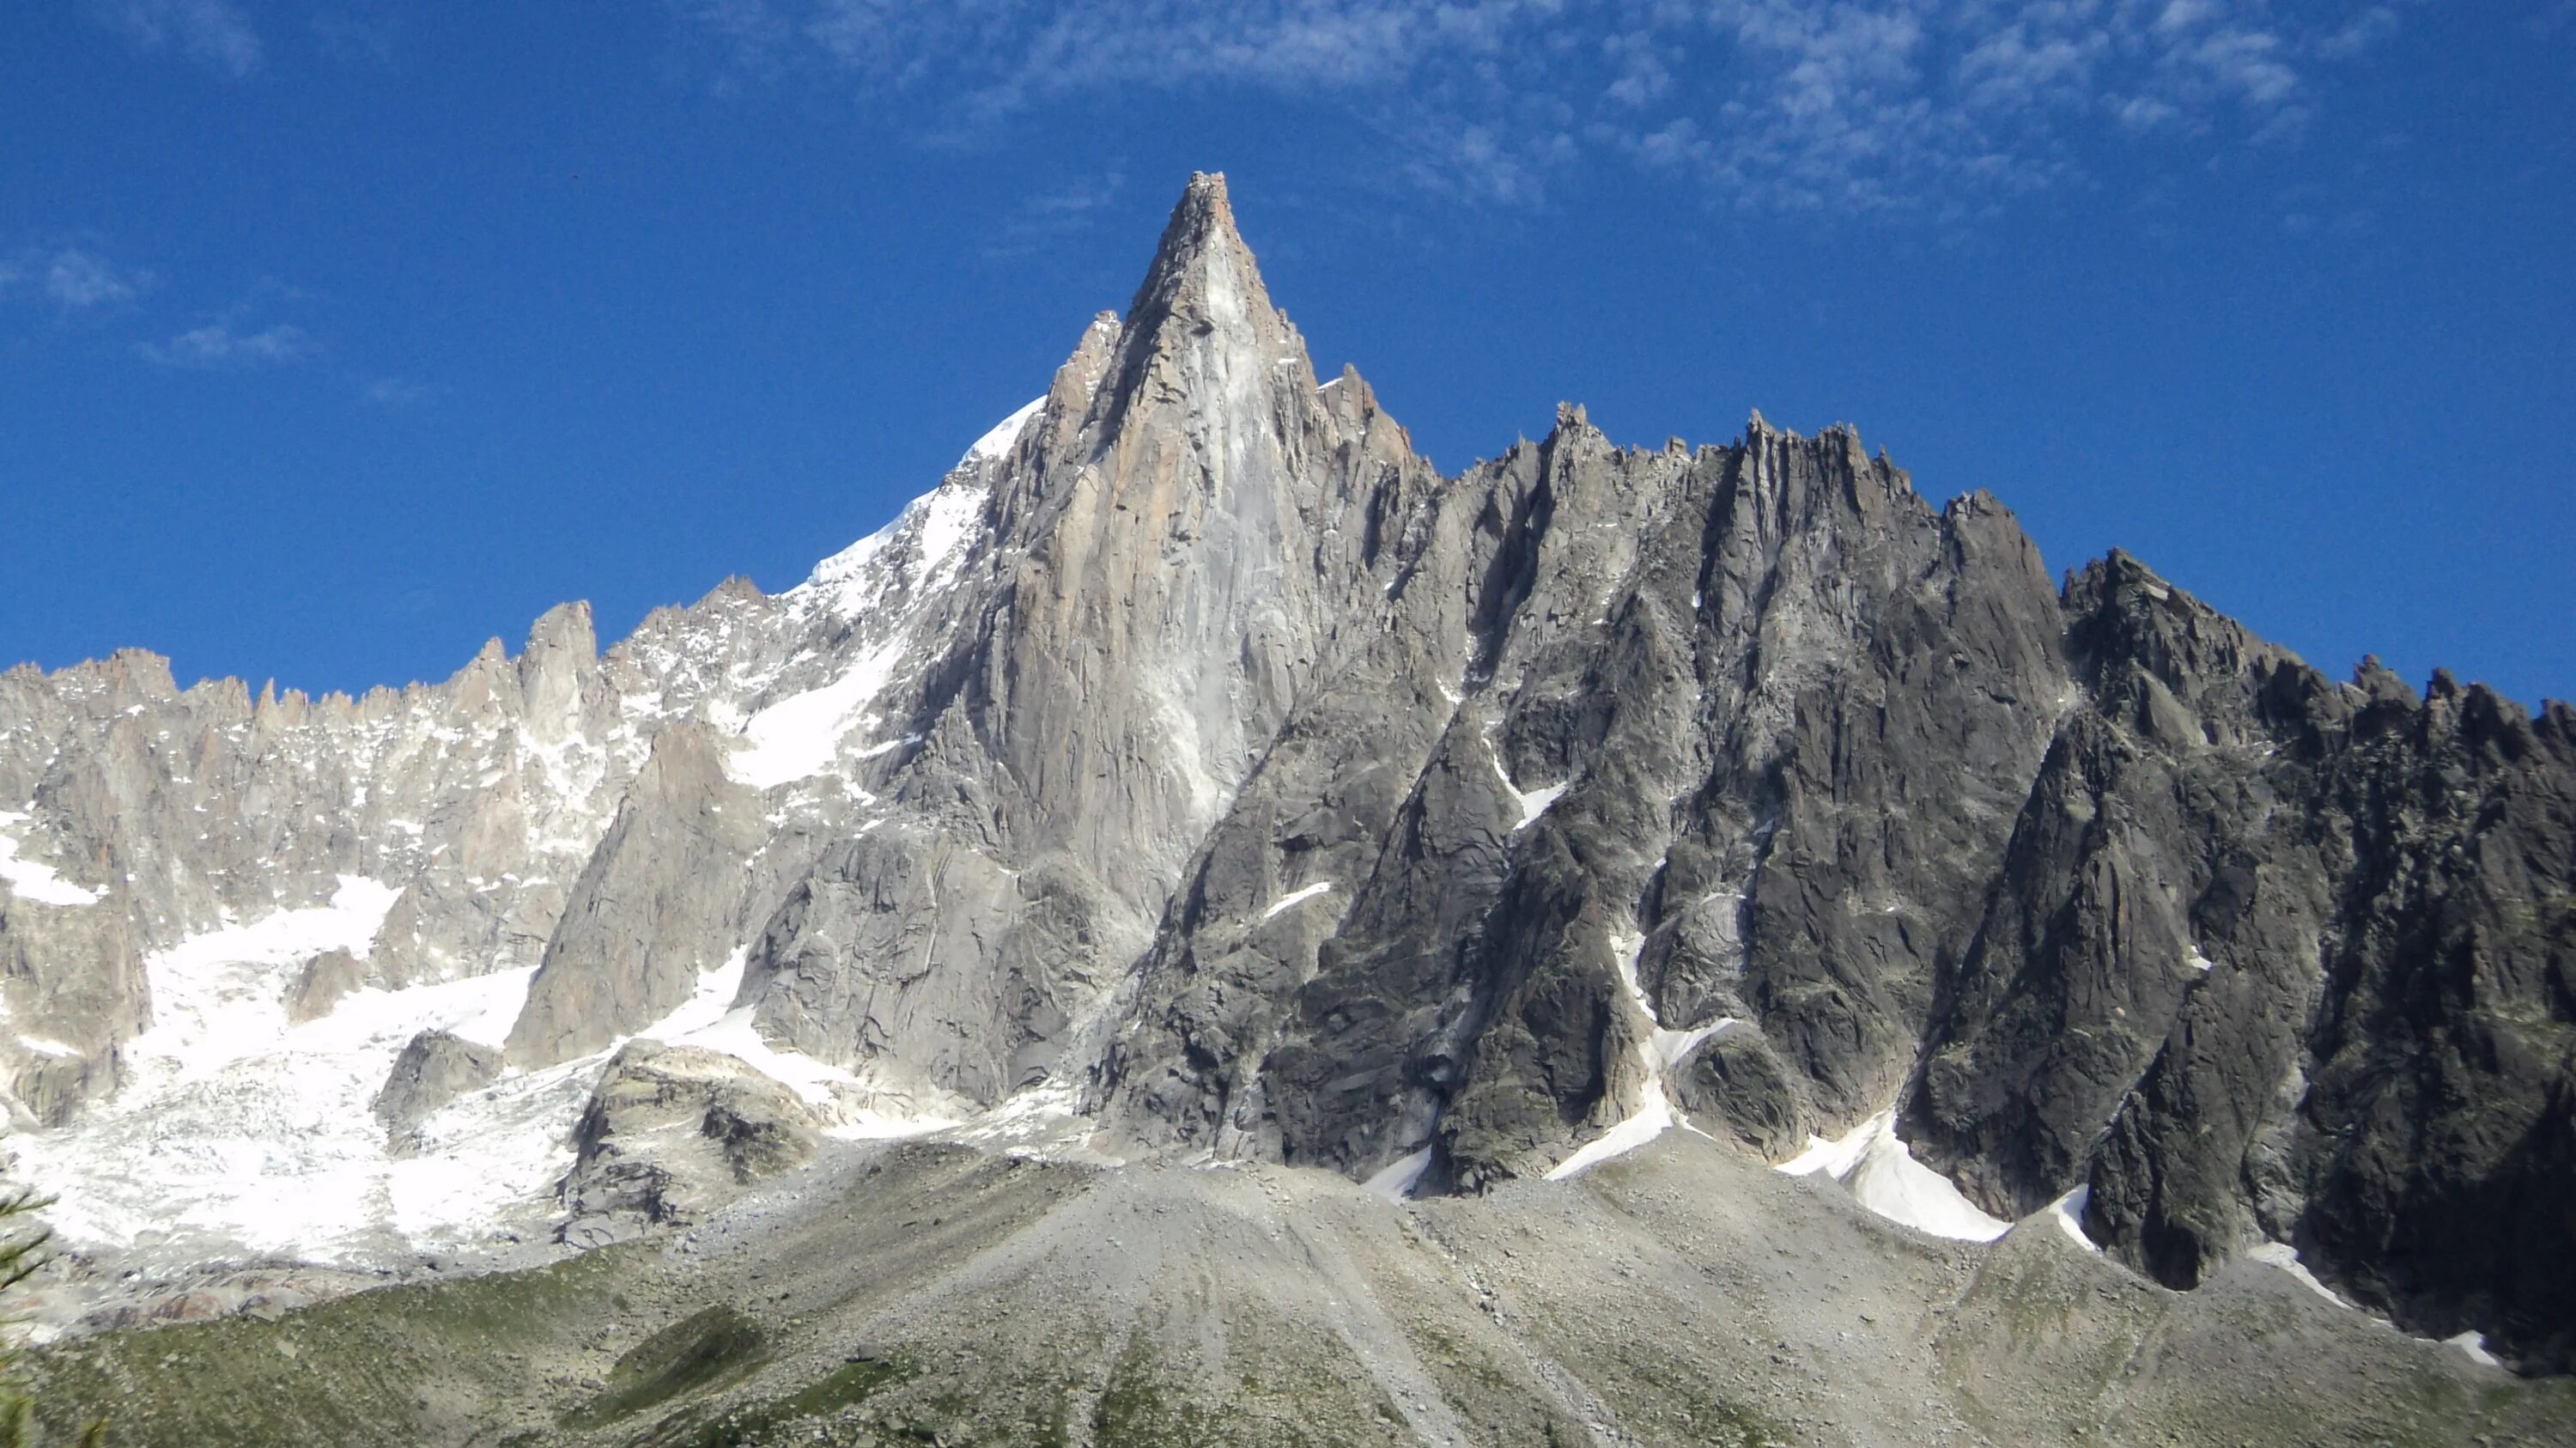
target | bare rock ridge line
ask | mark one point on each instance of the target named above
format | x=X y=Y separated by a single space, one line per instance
x=1198 y=758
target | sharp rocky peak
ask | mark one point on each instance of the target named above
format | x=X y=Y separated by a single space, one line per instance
x=1201 y=336
x=1202 y=275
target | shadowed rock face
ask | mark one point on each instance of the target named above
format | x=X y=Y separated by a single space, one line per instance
x=75 y=989
x=1197 y=751
x=321 y=984
x=435 y=1067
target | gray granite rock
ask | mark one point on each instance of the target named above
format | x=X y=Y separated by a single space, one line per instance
x=1199 y=754
x=658 y=905
x=672 y=1131
x=435 y=1068
x=321 y=983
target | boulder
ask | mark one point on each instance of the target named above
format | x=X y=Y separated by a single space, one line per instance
x=671 y=1132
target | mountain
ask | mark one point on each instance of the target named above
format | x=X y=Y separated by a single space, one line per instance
x=1196 y=775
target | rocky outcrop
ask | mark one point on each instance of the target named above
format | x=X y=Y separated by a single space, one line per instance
x=1728 y=734
x=321 y=983
x=672 y=1131
x=2222 y=871
x=74 y=991
x=435 y=1067
x=1645 y=742
x=928 y=962
x=658 y=905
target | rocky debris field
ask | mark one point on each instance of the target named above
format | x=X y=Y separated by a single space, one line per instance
x=911 y=1293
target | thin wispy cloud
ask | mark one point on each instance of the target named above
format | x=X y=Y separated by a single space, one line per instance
x=226 y=345
x=70 y=278
x=1871 y=105
x=213 y=33
x=77 y=279
x=358 y=32
x=1051 y=216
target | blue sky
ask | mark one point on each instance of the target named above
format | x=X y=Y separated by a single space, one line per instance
x=339 y=335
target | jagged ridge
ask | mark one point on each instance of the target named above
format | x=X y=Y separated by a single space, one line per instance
x=1235 y=777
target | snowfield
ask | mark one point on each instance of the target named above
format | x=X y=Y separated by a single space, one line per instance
x=1881 y=1172
x=32 y=882
x=239 y=1134
x=238 y=1131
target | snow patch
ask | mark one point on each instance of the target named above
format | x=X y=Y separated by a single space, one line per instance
x=733 y=1034
x=1652 y=1115
x=1044 y=1123
x=1396 y=1180
x=1664 y=1049
x=221 y=994
x=708 y=1004
x=1533 y=802
x=1881 y=1173
x=2068 y=1212
x=239 y=1132
x=996 y=444
x=485 y=1153
x=1671 y=1046
x=929 y=537
x=1658 y=1052
x=34 y=883
x=948 y=518
x=2475 y=1346
x=1834 y=1158
x=2286 y=1257
x=845 y=582
x=711 y=1020
x=800 y=736
x=1294 y=897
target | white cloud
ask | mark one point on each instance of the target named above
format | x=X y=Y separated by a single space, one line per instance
x=223 y=345
x=2143 y=113
x=2246 y=62
x=2371 y=26
x=77 y=279
x=1784 y=104
x=2181 y=15
x=71 y=278
x=1645 y=68
x=2014 y=67
x=210 y=32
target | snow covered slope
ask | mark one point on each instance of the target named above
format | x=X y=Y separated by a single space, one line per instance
x=236 y=1132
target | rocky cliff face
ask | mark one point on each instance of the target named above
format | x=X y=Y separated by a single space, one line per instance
x=1197 y=759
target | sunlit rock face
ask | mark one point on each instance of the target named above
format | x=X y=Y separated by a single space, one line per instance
x=1199 y=768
